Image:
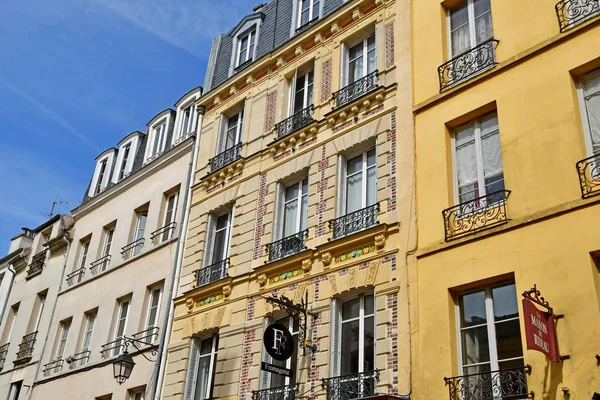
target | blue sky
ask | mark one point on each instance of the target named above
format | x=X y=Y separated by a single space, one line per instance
x=78 y=75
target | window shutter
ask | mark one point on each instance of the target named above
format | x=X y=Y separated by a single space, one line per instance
x=265 y=378
x=278 y=217
x=221 y=135
x=341 y=193
x=192 y=372
x=208 y=244
x=336 y=331
x=292 y=94
x=231 y=215
x=344 y=66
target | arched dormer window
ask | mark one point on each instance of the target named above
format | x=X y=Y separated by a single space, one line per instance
x=101 y=177
x=126 y=156
x=245 y=41
x=186 y=120
x=158 y=130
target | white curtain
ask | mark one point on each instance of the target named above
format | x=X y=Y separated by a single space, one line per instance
x=490 y=147
x=459 y=28
x=466 y=160
x=591 y=92
x=483 y=20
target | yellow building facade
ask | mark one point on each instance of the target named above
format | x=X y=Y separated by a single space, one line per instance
x=506 y=128
x=303 y=188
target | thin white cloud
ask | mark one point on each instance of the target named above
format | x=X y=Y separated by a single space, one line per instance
x=49 y=113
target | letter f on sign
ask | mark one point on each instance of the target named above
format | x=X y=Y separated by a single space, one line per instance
x=278 y=340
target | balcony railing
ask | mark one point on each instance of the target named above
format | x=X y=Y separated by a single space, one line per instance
x=502 y=384
x=355 y=221
x=53 y=367
x=79 y=359
x=147 y=336
x=113 y=348
x=3 y=353
x=588 y=170
x=467 y=64
x=572 y=12
x=75 y=276
x=100 y=265
x=287 y=246
x=356 y=89
x=354 y=386
x=475 y=215
x=295 y=122
x=163 y=234
x=37 y=263
x=132 y=249
x=26 y=346
x=212 y=273
x=278 y=393
x=225 y=158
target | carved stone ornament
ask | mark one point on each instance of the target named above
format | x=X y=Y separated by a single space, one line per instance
x=190 y=304
x=326 y=258
x=306 y=265
x=298 y=50
x=318 y=38
x=380 y=241
x=280 y=62
x=226 y=290
x=356 y=14
x=262 y=279
x=335 y=27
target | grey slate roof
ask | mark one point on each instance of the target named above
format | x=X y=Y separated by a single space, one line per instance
x=274 y=32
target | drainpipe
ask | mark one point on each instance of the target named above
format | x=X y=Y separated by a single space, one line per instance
x=162 y=354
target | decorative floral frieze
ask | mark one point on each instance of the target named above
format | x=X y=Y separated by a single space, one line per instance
x=209 y=299
x=371 y=248
x=281 y=277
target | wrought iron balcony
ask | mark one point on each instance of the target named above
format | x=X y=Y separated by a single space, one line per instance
x=356 y=89
x=225 y=158
x=502 y=384
x=132 y=249
x=287 y=246
x=212 y=273
x=53 y=367
x=26 y=347
x=588 y=170
x=572 y=12
x=147 y=336
x=37 y=263
x=75 y=276
x=355 y=221
x=295 y=122
x=3 y=353
x=79 y=359
x=468 y=64
x=475 y=215
x=100 y=265
x=163 y=234
x=354 y=386
x=112 y=349
x=288 y=392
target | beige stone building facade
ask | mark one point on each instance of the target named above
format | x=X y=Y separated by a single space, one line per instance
x=303 y=187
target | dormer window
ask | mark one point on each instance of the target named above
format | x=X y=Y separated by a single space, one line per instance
x=308 y=10
x=189 y=119
x=101 y=174
x=123 y=168
x=158 y=138
x=246 y=48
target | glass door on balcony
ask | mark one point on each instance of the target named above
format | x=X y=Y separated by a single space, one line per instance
x=295 y=207
x=204 y=355
x=302 y=91
x=87 y=334
x=153 y=310
x=121 y=324
x=362 y=59
x=358 y=335
x=140 y=229
x=470 y=24
x=108 y=238
x=233 y=133
x=361 y=182
x=277 y=380
x=170 y=215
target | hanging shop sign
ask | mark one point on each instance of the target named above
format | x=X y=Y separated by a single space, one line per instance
x=540 y=328
x=278 y=342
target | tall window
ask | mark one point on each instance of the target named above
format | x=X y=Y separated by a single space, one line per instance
x=201 y=368
x=15 y=390
x=478 y=159
x=295 y=205
x=10 y=323
x=86 y=342
x=153 y=308
x=360 y=182
x=170 y=214
x=357 y=335
x=233 y=133
x=121 y=325
x=160 y=136
x=222 y=237
x=65 y=326
x=307 y=11
x=362 y=59
x=38 y=310
x=101 y=174
x=140 y=228
x=246 y=47
x=302 y=89
x=188 y=122
x=126 y=149
x=589 y=92
x=490 y=333
x=108 y=239
x=83 y=254
x=470 y=25
x=291 y=363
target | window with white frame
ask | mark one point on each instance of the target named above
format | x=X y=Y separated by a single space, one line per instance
x=275 y=381
x=15 y=390
x=361 y=59
x=124 y=159
x=478 y=158
x=170 y=215
x=159 y=138
x=308 y=10
x=359 y=186
x=108 y=239
x=302 y=91
x=490 y=333
x=88 y=331
x=470 y=24
x=153 y=311
x=246 y=44
x=188 y=120
x=232 y=134
x=84 y=248
x=201 y=368
x=295 y=209
x=137 y=394
x=140 y=229
x=121 y=325
x=65 y=326
x=589 y=97
x=101 y=176
x=219 y=237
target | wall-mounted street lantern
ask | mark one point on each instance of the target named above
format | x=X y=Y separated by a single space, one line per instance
x=123 y=365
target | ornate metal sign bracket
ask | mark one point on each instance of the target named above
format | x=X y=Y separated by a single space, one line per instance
x=299 y=312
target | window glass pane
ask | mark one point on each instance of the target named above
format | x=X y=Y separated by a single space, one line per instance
x=508 y=339
x=371 y=186
x=505 y=302
x=291 y=192
x=219 y=249
x=492 y=157
x=222 y=221
x=481 y=7
x=299 y=100
x=350 y=309
x=591 y=93
x=475 y=345
x=459 y=16
x=369 y=304
x=290 y=216
x=354 y=195
x=304 y=213
x=472 y=309
x=371 y=55
x=459 y=29
x=371 y=157
x=466 y=164
x=202 y=378
x=349 y=350
x=354 y=164
x=511 y=364
x=305 y=186
x=483 y=28
x=206 y=346
x=369 y=343
x=309 y=95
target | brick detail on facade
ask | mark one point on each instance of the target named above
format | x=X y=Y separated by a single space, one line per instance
x=270 y=113
x=389 y=45
x=326 y=81
x=321 y=187
x=245 y=384
x=391 y=161
x=392 y=334
x=259 y=229
x=313 y=373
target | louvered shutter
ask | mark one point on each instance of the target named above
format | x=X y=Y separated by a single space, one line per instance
x=344 y=66
x=279 y=215
x=231 y=215
x=265 y=377
x=336 y=332
x=192 y=372
x=210 y=236
x=341 y=193
x=222 y=135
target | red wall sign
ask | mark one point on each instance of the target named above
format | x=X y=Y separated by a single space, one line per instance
x=540 y=331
